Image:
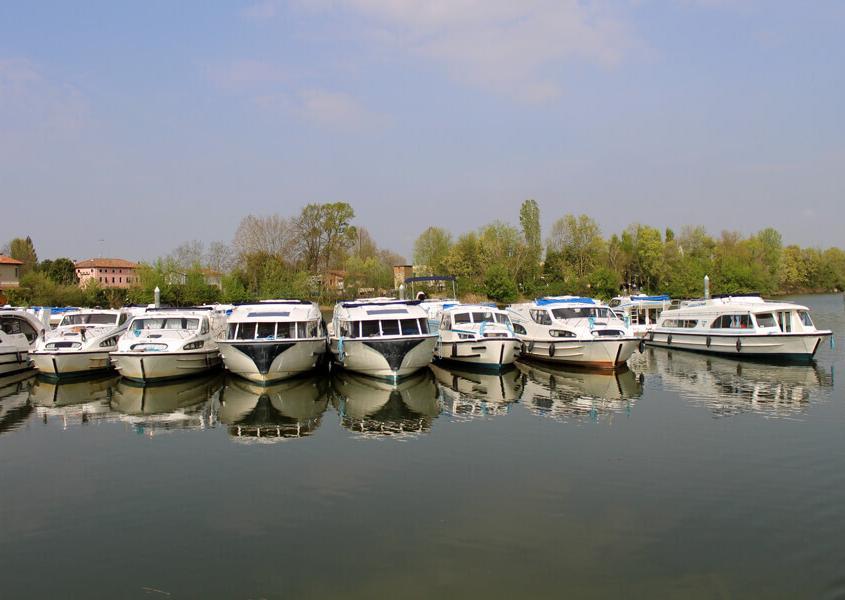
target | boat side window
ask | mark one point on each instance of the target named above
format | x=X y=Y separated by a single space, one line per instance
x=285 y=329
x=765 y=320
x=519 y=329
x=785 y=321
x=542 y=316
x=502 y=318
x=313 y=326
x=423 y=325
x=122 y=319
x=805 y=318
x=14 y=325
x=369 y=329
x=233 y=329
x=265 y=330
x=203 y=326
x=732 y=322
x=302 y=329
x=446 y=323
x=463 y=318
x=409 y=326
x=246 y=331
x=390 y=327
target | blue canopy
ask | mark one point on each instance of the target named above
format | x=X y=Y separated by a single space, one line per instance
x=573 y=300
x=432 y=278
x=650 y=298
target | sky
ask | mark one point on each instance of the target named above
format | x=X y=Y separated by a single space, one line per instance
x=127 y=129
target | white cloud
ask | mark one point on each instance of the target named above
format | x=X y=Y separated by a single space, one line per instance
x=515 y=48
x=329 y=109
x=29 y=100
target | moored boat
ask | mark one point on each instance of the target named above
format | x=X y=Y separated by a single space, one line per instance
x=572 y=330
x=477 y=335
x=273 y=340
x=745 y=326
x=641 y=312
x=170 y=343
x=381 y=337
x=81 y=342
x=19 y=331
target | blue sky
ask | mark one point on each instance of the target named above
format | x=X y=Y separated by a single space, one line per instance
x=151 y=124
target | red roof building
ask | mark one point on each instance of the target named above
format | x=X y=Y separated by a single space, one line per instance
x=107 y=272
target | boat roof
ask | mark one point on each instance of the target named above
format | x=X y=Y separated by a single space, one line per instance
x=726 y=304
x=552 y=300
x=643 y=298
x=381 y=308
x=472 y=307
x=275 y=310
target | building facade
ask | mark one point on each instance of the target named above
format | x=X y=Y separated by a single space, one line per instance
x=107 y=272
x=10 y=275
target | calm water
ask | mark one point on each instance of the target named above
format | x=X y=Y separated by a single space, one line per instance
x=684 y=476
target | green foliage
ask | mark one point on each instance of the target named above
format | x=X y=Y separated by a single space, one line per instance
x=499 y=284
x=61 y=271
x=431 y=249
x=23 y=249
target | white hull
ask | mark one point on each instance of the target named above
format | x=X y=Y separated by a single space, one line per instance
x=795 y=346
x=152 y=366
x=486 y=352
x=57 y=364
x=387 y=357
x=609 y=353
x=12 y=361
x=271 y=361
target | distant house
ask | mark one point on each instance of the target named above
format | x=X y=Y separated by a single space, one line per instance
x=334 y=280
x=107 y=272
x=400 y=273
x=10 y=275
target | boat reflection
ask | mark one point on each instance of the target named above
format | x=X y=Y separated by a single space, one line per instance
x=154 y=408
x=15 y=406
x=74 y=401
x=728 y=386
x=292 y=408
x=376 y=407
x=468 y=394
x=578 y=394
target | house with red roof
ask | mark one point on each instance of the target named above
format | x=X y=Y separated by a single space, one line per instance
x=107 y=272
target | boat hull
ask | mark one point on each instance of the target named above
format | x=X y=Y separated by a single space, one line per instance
x=58 y=364
x=385 y=357
x=13 y=361
x=795 y=347
x=494 y=353
x=610 y=353
x=158 y=366
x=266 y=362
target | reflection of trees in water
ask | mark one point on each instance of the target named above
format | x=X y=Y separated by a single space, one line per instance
x=468 y=394
x=15 y=406
x=578 y=394
x=290 y=409
x=166 y=406
x=75 y=401
x=376 y=407
x=729 y=387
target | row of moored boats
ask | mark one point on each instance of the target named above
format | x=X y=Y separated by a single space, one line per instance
x=389 y=338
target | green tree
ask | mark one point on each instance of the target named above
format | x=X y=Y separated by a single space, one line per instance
x=431 y=249
x=499 y=284
x=60 y=270
x=23 y=249
x=325 y=234
x=578 y=240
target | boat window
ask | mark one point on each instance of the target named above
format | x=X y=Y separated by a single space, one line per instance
x=369 y=329
x=89 y=319
x=463 y=318
x=615 y=302
x=390 y=327
x=409 y=326
x=732 y=322
x=165 y=323
x=541 y=317
x=805 y=318
x=519 y=329
x=482 y=317
x=246 y=331
x=204 y=327
x=446 y=323
x=502 y=318
x=266 y=330
x=122 y=319
x=14 y=325
x=766 y=320
x=285 y=329
x=302 y=329
x=423 y=325
x=581 y=312
x=345 y=328
x=785 y=321
x=313 y=326
x=233 y=327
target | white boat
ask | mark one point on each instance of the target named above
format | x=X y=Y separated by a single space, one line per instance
x=740 y=326
x=640 y=312
x=170 y=343
x=381 y=337
x=433 y=306
x=572 y=330
x=81 y=342
x=19 y=331
x=477 y=335
x=274 y=340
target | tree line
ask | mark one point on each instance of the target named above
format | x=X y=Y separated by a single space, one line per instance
x=275 y=256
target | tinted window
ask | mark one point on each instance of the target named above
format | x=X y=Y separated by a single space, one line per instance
x=462 y=318
x=482 y=317
x=766 y=320
x=266 y=330
x=423 y=325
x=369 y=328
x=246 y=331
x=287 y=330
x=390 y=327
x=805 y=318
x=409 y=326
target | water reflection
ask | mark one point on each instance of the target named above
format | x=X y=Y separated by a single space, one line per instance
x=578 y=394
x=74 y=401
x=728 y=386
x=467 y=394
x=377 y=407
x=152 y=408
x=15 y=406
x=290 y=409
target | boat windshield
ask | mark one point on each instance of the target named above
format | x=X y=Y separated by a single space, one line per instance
x=503 y=319
x=89 y=319
x=805 y=318
x=581 y=312
x=165 y=323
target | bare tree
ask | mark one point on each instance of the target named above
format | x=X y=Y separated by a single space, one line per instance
x=273 y=235
x=220 y=257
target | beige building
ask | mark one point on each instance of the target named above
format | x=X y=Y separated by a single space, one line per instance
x=107 y=272
x=10 y=275
x=400 y=273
